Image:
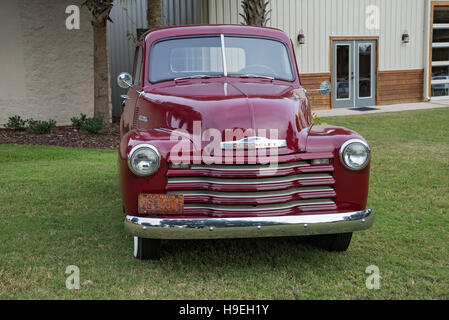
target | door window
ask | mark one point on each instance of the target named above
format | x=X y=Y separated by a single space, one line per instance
x=365 y=70
x=343 y=71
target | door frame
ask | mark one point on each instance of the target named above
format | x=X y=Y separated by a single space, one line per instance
x=432 y=8
x=352 y=38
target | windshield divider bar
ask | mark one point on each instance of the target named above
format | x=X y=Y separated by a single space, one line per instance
x=223 y=53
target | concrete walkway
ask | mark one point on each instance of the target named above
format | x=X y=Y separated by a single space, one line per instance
x=385 y=108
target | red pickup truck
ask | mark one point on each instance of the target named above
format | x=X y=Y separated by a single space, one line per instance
x=218 y=141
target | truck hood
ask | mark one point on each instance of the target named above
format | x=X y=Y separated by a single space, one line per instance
x=226 y=106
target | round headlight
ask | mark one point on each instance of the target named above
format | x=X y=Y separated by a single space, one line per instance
x=355 y=154
x=144 y=160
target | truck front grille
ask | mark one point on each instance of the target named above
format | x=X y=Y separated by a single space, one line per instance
x=295 y=187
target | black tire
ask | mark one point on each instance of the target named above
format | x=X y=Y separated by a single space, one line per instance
x=333 y=242
x=147 y=249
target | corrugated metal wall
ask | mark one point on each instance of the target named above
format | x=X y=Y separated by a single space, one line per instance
x=320 y=19
x=130 y=15
x=180 y=12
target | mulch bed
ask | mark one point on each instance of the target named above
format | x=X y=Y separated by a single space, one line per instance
x=65 y=136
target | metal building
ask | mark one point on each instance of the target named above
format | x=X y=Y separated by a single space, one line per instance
x=372 y=51
x=362 y=47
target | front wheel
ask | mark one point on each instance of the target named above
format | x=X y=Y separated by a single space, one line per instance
x=333 y=242
x=147 y=249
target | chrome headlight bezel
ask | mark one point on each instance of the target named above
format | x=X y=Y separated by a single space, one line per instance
x=133 y=152
x=344 y=147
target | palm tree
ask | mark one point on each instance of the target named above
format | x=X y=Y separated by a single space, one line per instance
x=154 y=16
x=100 y=10
x=255 y=12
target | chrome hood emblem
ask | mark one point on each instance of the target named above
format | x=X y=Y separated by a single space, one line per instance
x=251 y=143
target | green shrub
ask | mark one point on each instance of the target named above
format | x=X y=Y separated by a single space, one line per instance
x=93 y=125
x=78 y=122
x=317 y=120
x=16 y=123
x=41 y=127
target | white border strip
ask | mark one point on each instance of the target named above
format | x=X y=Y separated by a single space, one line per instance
x=223 y=53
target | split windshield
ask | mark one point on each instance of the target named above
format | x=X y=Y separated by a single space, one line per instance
x=202 y=57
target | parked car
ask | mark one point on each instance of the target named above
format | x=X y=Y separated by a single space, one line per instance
x=441 y=86
x=218 y=141
x=440 y=89
x=342 y=87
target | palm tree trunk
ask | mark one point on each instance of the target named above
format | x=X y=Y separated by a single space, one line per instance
x=154 y=13
x=255 y=12
x=100 y=10
x=101 y=74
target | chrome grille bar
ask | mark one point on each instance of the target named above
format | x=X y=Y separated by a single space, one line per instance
x=248 y=194
x=244 y=181
x=262 y=207
x=236 y=167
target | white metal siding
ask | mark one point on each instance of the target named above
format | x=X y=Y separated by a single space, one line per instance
x=321 y=19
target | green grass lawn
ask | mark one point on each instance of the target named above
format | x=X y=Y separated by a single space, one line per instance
x=61 y=207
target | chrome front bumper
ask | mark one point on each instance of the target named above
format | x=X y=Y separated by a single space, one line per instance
x=222 y=228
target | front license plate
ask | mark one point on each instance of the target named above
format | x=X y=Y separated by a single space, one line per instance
x=161 y=203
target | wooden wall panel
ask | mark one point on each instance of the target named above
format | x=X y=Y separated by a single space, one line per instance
x=313 y=81
x=400 y=86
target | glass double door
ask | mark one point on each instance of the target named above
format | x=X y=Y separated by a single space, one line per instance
x=354 y=73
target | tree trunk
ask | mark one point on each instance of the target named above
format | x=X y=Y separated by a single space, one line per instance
x=154 y=13
x=101 y=71
x=255 y=12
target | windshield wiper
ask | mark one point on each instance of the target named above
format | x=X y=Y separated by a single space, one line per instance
x=250 y=75
x=198 y=76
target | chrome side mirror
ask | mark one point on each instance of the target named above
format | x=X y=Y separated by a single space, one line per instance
x=124 y=80
x=325 y=88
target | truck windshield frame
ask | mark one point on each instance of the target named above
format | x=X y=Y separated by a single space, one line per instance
x=226 y=61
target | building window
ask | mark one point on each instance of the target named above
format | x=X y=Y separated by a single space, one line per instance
x=440 y=52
